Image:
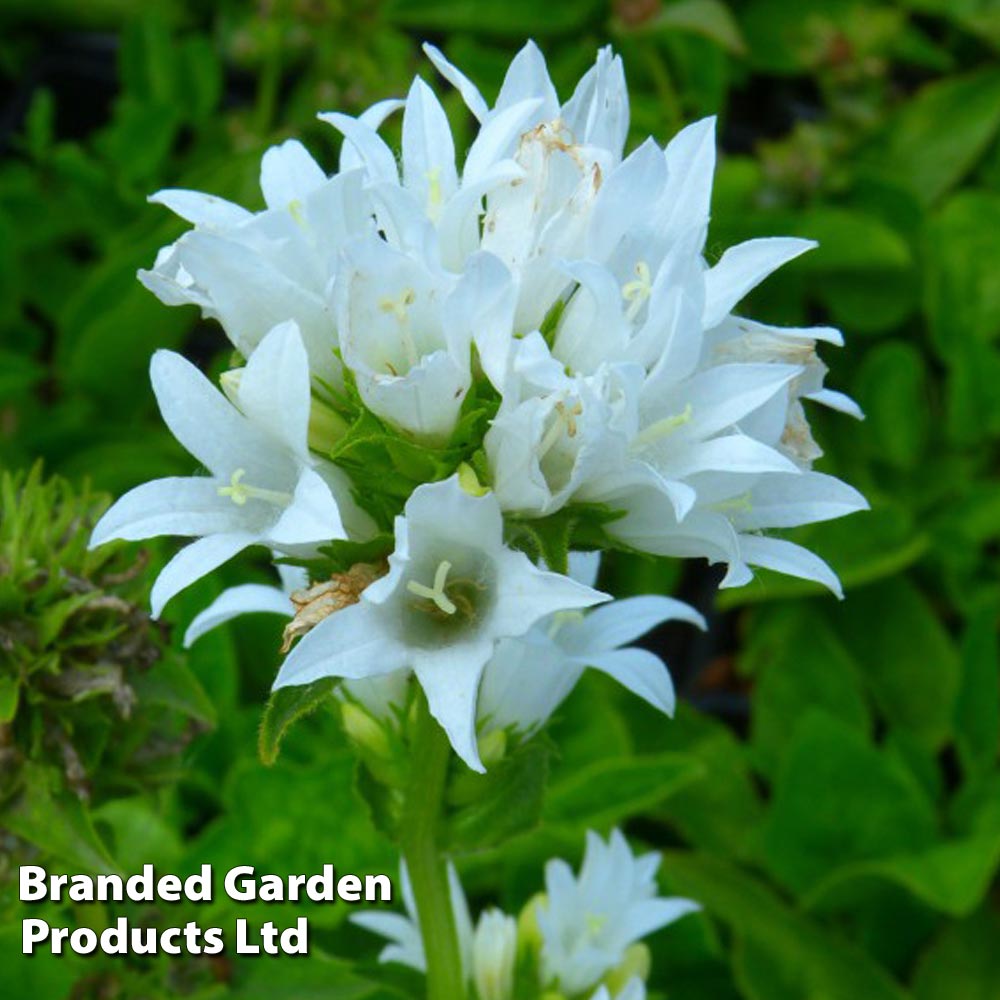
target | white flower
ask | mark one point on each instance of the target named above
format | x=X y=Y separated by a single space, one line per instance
x=264 y=485
x=528 y=677
x=406 y=944
x=453 y=590
x=587 y=923
x=246 y=599
x=251 y=271
x=634 y=989
x=494 y=953
x=407 y=330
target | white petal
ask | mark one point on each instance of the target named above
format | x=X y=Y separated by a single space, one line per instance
x=527 y=77
x=195 y=561
x=375 y=155
x=584 y=567
x=312 y=517
x=250 y=598
x=203 y=420
x=788 y=501
x=650 y=915
x=734 y=453
x=288 y=174
x=621 y=622
x=173 y=506
x=783 y=556
x=690 y=159
x=445 y=508
x=837 y=401
x=642 y=672
x=373 y=117
x=496 y=138
x=205 y=210
x=349 y=643
x=428 y=147
x=274 y=387
x=450 y=678
x=526 y=593
x=743 y=267
x=470 y=92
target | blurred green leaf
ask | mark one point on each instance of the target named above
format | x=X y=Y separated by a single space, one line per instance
x=839 y=800
x=937 y=137
x=818 y=962
x=963 y=961
x=607 y=791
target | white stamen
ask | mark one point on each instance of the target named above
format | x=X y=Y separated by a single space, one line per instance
x=662 y=428
x=240 y=492
x=636 y=292
x=435 y=593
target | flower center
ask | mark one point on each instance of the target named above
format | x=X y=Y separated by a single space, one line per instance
x=240 y=492
x=637 y=291
x=662 y=428
x=399 y=307
x=436 y=592
x=565 y=421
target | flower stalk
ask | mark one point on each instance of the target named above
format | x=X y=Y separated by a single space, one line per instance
x=421 y=849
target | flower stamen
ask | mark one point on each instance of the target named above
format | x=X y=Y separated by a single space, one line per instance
x=436 y=592
x=240 y=492
x=663 y=427
x=637 y=291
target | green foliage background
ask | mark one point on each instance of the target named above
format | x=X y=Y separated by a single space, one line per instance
x=830 y=789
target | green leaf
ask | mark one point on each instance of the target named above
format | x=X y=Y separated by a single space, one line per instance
x=799 y=663
x=892 y=388
x=312 y=978
x=820 y=964
x=938 y=136
x=962 y=290
x=977 y=709
x=838 y=800
x=10 y=691
x=952 y=877
x=608 y=791
x=722 y=811
x=963 y=961
x=908 y=659
x=504 y=18
x=285 y=707
x=55 y=822
x=505 y=801
x=710 y=18
x=171 y=682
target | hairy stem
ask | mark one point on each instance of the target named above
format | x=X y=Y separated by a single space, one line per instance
x=428 y=872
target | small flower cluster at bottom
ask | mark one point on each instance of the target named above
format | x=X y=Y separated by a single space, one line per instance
x=580 y=938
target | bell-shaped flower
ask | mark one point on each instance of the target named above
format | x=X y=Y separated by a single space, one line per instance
x=251 y=271
x=407 y=332
x=453 y=590
x=588 y=921
x=529 y=677
x=264 y=486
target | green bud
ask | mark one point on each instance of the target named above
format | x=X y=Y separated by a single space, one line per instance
x=636 y=962
x=230 y=382
x=365 y=731
x=469 y=481
x=326 y=427
x=493 y=747
x=529 y=935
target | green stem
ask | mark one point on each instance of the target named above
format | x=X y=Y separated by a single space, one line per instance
x=428 y=873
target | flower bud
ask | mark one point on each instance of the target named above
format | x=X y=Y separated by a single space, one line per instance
x=635 y=964
x=494 y=950
x=493 y=747
x=230 y=382
x=365 y=731
x=529 y=935
x=326 y=427
x=469 y=481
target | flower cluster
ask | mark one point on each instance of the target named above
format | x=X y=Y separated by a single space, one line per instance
x=452 y=373
x=579 y=938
